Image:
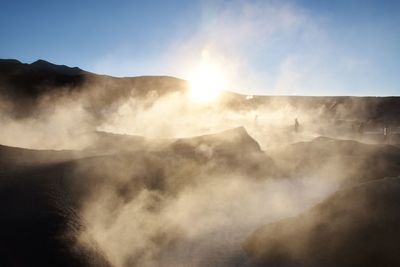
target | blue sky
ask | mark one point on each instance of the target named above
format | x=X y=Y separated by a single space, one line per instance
x=264 y=47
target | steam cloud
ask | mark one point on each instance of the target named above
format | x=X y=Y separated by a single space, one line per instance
x=150 y=203
x=203 y=225
x=199 y=219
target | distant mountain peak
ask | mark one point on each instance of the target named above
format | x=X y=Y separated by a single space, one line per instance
x=9 y=61
x=45 y=65
x=41 y=62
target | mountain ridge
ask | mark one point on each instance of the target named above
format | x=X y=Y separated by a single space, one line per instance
x=24 y=85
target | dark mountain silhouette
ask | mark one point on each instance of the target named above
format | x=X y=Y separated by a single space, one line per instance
x=40 y=77
x=60 y=69
x=23 y=86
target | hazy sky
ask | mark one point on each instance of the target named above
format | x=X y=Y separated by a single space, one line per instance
x=268 y=47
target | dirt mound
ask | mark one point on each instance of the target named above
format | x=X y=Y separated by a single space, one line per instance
x=357 y=226
x=48 y=189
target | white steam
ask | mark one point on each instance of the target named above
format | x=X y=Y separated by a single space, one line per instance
x=203 y=225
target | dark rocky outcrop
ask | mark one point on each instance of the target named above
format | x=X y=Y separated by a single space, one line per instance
x=356 y=226
x=43 y=192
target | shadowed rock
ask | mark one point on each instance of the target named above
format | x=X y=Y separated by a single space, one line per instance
x=48 y=189
x=357 y=226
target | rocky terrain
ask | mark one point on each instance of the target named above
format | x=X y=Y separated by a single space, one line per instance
x=104 y=171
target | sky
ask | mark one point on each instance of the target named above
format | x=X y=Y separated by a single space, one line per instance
x=293 y=47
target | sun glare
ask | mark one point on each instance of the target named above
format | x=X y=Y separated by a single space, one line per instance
x=206 y=83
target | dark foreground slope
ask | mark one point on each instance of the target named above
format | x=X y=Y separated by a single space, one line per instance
x=42 y=193
x=356 y=226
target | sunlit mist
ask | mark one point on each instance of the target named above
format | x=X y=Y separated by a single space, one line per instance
x=206 y=82
x=230 y=133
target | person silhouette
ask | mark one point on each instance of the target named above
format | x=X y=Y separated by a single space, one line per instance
x=361 y=129
x=296 y=125
x=386 y=134
x=256 y=121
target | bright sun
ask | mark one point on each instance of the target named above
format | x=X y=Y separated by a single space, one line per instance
x=206 y=83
